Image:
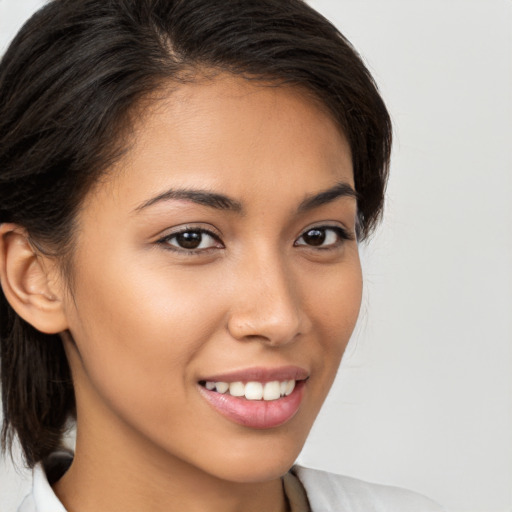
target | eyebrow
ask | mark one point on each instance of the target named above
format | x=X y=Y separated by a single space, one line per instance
x=341 y=189
x=203 y=197
x=223 y=202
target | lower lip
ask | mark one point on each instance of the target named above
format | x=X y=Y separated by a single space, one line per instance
x=259 y=414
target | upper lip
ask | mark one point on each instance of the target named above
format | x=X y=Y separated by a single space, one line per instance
x=260 y=374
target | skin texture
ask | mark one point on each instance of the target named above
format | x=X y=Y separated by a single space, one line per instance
x=146 y=320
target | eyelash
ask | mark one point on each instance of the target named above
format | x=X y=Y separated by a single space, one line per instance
x=341 y=233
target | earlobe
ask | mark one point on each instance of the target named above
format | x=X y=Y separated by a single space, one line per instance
x=27 y=282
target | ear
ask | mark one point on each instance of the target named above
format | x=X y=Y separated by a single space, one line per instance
x=29 y=281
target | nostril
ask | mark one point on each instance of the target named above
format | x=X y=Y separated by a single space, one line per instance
x=272 y=331
x=267 y=307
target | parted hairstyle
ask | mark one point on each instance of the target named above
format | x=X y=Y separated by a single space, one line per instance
x=70 y=85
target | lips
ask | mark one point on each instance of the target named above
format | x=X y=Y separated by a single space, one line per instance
x=257 y=398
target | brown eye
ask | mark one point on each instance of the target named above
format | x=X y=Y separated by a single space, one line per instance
x=314 y=237
x=192 y=240
x=323 y=237
x=189 y=239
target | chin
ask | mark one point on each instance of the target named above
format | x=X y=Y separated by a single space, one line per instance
x=252 y=472
x=266 y=460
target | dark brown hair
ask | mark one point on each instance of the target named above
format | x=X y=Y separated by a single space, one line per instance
x=69 y=85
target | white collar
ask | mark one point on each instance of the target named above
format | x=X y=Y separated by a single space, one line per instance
x=42 y=498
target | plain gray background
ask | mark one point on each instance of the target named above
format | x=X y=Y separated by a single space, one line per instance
x=424 y=396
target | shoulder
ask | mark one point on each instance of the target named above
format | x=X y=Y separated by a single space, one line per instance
x=328 y=492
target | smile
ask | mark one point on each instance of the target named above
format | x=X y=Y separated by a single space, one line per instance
x=257 y=398
x=253 y=390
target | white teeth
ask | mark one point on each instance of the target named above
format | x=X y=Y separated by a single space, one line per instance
x=272 y=390
x=221 y=387
x=290 y=386
x=254 y=390
x=236 y=389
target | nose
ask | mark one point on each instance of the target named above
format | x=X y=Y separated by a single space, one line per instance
x=267 y=305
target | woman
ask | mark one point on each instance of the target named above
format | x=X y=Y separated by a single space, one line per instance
x=183 y=188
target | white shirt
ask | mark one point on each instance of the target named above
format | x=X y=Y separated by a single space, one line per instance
x=325 y=492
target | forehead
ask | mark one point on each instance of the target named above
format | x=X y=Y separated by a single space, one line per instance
x=230 y=135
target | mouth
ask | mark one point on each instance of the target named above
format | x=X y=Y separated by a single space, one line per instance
x=256 y=398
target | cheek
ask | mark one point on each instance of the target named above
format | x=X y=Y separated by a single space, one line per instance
x=335 y=305
x=137 y=329
x=336 y=299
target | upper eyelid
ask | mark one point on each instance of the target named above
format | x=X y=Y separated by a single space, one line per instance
x=168 y=233
x=202 y=231
x=327 y=225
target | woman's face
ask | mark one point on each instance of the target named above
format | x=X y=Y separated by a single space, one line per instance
x=219 y=252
